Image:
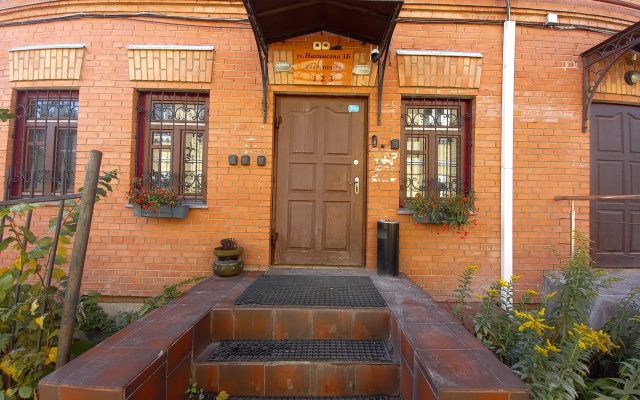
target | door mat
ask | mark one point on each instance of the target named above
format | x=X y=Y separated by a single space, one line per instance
x=374 y=397
x=313 y=291
x=373 y=351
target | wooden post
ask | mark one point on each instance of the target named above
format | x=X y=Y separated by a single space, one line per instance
x=76 y=267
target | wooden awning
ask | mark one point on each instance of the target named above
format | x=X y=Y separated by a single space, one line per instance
x=370 y=21
x=597 y=61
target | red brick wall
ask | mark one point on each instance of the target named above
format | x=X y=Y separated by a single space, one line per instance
x=131 y=256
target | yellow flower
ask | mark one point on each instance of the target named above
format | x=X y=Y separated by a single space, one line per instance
x=590 y=339
x=551 y=347
x=542 y=351
x=473 y=267
x=550 y=295
x=40 y=322
x=532 y=292
x=493 y=292
x=535 y=324
x=515 y=277
x=481 y=297
x=503 y=283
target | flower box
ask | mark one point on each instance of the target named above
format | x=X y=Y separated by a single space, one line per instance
x=438 y=218
x=165 y=211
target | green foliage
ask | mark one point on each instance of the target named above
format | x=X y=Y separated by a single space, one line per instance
x=462 y=293
x=547 y=342
x=5 y=115
x=30 y=307
x=196 y=393
x=451 y=210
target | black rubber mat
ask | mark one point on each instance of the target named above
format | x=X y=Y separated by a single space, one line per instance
x=313 y=291
x=375 y=397
x=374 y=351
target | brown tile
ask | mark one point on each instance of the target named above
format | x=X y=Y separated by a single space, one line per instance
x=406 y=381
x=242 y=379
x=201 y=334
x=156 y=336
x=519 y=395
x=287 y=380
x=407 y=350
x=503 y=373
x=180 y=349
x=89 y=393
x=119 y=367
x=456 y=369
x=48 y=391
x=207 y=376
x=472 y=395
x=292 y=324
x=377 y=379
x=332 y=324
x=466 y=337
x=253 y=324
x=74 y=366
x=122 y=334
x=178 y=380
x=422 y=389
x=395 y=334
x=187 y=314
x=370 y=325
x=333 y=379
x=432 y=336
x=417 y=313
x=154 y=387
x=221 y=325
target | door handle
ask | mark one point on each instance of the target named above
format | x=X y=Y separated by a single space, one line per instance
x=356 y=183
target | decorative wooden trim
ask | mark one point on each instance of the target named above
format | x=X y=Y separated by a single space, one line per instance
x=171 y=63
x=443 y=69
x=46 y=62
x=286 y=77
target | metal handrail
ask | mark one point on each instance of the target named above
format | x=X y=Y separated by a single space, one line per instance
x=600 y=197
x=572 y=213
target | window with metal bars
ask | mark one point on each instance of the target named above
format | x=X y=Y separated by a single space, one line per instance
x=172 y=143
x=436 y=137
x=44 y=144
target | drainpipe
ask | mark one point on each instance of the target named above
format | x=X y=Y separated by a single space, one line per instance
x=506 y=168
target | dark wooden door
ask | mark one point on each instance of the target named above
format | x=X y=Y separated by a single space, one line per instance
x=319 y=210
x=615 y=170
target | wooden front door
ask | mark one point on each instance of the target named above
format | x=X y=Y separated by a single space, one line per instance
x=615 y=170
x=319 y=209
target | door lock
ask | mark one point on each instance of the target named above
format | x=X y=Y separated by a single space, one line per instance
x=356 y=183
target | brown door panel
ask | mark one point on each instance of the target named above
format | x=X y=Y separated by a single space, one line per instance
x=319 y=218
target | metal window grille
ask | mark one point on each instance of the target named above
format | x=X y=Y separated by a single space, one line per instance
x=44 y=144
x=436 y=138
x=172 y=138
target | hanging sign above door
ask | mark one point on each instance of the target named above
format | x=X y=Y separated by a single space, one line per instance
x=322 y=67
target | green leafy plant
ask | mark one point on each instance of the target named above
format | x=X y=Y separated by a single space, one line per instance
x=31 y=296
x=454 y=211
x=153 y=199
x=547 y=341
x=195 y=393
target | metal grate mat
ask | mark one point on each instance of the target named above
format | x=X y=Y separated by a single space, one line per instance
x=313 y=291
x=374 y=351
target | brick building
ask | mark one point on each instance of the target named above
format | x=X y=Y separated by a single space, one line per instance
x=179 y=92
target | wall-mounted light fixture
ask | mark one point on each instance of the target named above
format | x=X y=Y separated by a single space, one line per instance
x=283 y=66
x=245 y=160
x=361 y=69
x=632 y=77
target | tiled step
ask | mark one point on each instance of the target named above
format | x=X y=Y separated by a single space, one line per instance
x=272 y=323
x=331 y=376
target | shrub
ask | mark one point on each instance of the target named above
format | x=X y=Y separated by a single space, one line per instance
x=547 y=341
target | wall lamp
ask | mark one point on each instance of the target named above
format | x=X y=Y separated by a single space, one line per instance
x=632 y=77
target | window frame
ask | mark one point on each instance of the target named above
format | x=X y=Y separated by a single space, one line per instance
x=459 y=129
x=177 y=126
x=30 y=118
